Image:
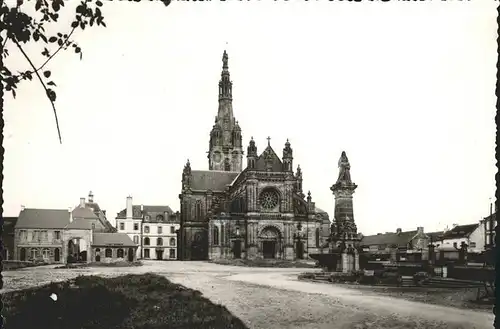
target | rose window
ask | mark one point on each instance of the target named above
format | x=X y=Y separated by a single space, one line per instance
x=268 y=200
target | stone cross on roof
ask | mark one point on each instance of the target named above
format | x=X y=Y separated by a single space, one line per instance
x=269 y=141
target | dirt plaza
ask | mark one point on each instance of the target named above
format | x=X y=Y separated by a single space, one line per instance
x=274 y=298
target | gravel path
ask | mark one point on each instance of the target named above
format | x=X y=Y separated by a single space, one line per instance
x=273 y=298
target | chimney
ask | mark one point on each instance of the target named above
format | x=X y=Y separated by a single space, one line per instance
x=22 y=207
x=455 y=225
x=420 y=230
x=91 y=197
x=398 y=230
x=104 y=212
x=129 y=207
x=70 y=215
x=82 y=202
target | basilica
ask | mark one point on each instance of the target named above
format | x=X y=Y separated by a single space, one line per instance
x=257 y=212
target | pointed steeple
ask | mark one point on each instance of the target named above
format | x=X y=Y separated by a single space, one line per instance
x=225 y=147
x=225 y=84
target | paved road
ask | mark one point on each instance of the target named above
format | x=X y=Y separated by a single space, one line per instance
x=274 y=298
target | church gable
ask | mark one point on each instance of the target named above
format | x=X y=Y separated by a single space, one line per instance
x=268 y=158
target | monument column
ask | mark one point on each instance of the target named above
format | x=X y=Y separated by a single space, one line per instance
x=344 y=229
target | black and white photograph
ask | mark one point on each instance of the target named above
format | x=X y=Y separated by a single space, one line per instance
x=250 y=164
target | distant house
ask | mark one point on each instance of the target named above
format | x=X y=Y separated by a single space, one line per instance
x=471 y=234
x=8 y=237
x=153 y=229
x=396 y=246
x=71 y=235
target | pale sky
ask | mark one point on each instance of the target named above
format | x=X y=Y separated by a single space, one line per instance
x=406 y=89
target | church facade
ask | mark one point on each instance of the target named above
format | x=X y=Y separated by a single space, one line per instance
x=258 y=212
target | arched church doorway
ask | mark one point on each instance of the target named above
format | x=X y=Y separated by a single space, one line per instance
x=199 y=246
x=270 y=237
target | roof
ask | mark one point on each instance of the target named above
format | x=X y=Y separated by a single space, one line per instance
x=101 y=215
x=112 y=239
x=460 y=231
x=43 y=218
x=400 y=239
x=79 y=224
x=80 y=212
x=214 y=180
x=435 y=236
x=146 y=209
x=494 y=215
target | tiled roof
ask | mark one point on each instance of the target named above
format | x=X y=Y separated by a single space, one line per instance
x=112 y=239
x=216 y=181
x=157 y=209
x=43 y=218
x=460 y=231
x=435 y=236
x=79 y=224
x=400 y=239
x=80 y=212
x=100 y=214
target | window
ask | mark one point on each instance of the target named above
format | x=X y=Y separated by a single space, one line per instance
x=454 y=244
x=93 y=226
x=159 y=242
x=108 y=253
x=33 y=253
x=146 y=241
x=146 y=253
x=45 y=254
x=172 y=253
x=317 y=238
x=172 y=242
x=57 y=235
x=172 y=229
x=122 y=226
x=146 y=229
x=159 y=218
x=23 y=235
x=97 y=250
x=222 y=234
x=119 y=253
x=472 y=244
x=136 y=226
x=44 y=235
x=216 y=236
x=136 y=239
x=160 y=230
x=198 y=210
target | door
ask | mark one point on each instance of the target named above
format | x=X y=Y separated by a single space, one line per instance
x=131 y=252
x=57 y=255
x=23 y=254
x=199 y=246
x=159 y=254
x=269 y=249
x=237 y=249
x=299 y=250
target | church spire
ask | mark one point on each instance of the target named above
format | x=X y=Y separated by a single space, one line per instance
x=225 y=84
x=225 y=147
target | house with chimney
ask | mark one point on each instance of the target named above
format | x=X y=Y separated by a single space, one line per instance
x=396 y=246
x=153 y=229
x=79 y=234
x=472 y=235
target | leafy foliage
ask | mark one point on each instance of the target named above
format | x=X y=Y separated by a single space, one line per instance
x=19 y=28
x=145 y=301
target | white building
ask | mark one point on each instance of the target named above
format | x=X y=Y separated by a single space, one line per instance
x=152 y=228
x=471 y=234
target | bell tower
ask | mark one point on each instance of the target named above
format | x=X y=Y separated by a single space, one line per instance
x=225 y=151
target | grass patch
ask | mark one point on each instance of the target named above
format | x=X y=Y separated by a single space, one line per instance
x=280 y=263
x=145 y=301
x=100 y=264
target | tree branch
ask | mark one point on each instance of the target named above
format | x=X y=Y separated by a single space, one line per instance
x=60 y=47
x=43 y=84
